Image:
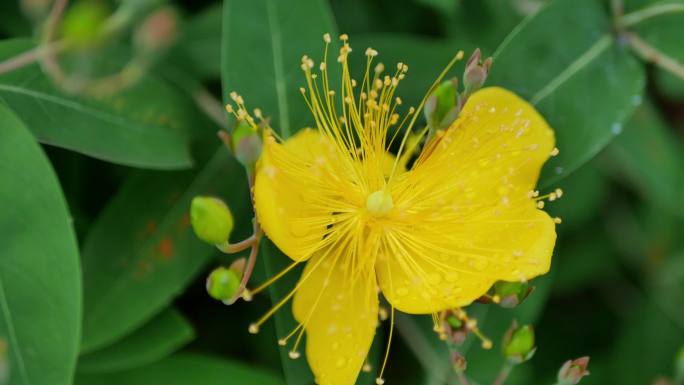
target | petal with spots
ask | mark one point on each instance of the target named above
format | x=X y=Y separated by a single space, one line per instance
x=339 y=312
x=465 y=216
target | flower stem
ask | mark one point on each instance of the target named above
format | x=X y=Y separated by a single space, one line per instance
x=646 y=13
x=462 y=378
x=232 y=248
x=503 y=374
x=651 y=54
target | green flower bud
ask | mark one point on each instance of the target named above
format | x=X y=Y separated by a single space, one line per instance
x=223 y=284
x=511 y=294
x=83 y=23
x=211 y=219
x=443 y=105
x=518 y=343
x=246 y=144
x=454 y=322
x=572 y=371
x=679 y=365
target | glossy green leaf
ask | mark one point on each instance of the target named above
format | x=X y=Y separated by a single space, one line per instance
x=40 y=279
x=584 y=84
x=263 y=43
x=147 y=126
x=584 y=193
x=141 y=252
x=160 y=337
x=650 y=155
x=199 y=47
x=185 y=369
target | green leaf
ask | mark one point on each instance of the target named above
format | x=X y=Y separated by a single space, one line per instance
x=147 y=126
x=650 y=156
x=161 y=336
x=185 y=369
x=263 y=42
x=584 y=193
x=141 y=252
x=584 y=84
x=198 y=49
x=40 y=280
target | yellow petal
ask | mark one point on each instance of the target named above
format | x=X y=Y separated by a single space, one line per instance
x=287 y=192
x=339 y=312
x=466 y=215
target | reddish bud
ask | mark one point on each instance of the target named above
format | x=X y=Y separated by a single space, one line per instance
x=458 y=362
x=572 y=371
x=158 y=31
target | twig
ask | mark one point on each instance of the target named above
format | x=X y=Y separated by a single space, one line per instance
x=653 y=55
x=503 y=374
x=210 y=106
x=641 y=15
x=617 y=7
x=462 y=378
x=31 y=56
x=232 y=248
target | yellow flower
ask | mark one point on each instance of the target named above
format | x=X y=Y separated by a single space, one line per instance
x=432 y=237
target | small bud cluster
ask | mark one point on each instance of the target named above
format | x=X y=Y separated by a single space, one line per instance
x=245 y=141
x=445 y=102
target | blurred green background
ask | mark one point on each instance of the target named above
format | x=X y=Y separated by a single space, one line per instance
x=104 y=143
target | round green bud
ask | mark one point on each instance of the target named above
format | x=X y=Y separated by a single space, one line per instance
x=679 y=365
x=518 y=345
x=223 y=284
x=511 y=293
x=246 y=144
x=211 y=219
x=442 y=107
x=83 y=23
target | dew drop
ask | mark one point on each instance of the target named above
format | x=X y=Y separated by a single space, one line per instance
x=558 y=170
x=341 y=361
x=451 y=276
x=616 y=128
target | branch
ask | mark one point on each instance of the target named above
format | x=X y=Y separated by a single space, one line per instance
x=651 y=54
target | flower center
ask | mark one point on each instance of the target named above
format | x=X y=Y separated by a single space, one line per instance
x=379 y=203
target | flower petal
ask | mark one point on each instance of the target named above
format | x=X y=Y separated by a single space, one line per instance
x=339 y=312
x=466 y=216
x=287 y=190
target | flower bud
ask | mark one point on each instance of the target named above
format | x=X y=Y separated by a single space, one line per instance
x=157 y=31
x=511 y=294
x=83 y=23
x=572 y=371
x=518 y=343
x=475 y=72
x=223 y=284
x=246 y=144
x=458 y=362
x=443 y=105
x=679 y=366
x=211 y=219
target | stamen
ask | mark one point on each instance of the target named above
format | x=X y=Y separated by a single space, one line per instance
x=274 y=278
x=380 y=380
